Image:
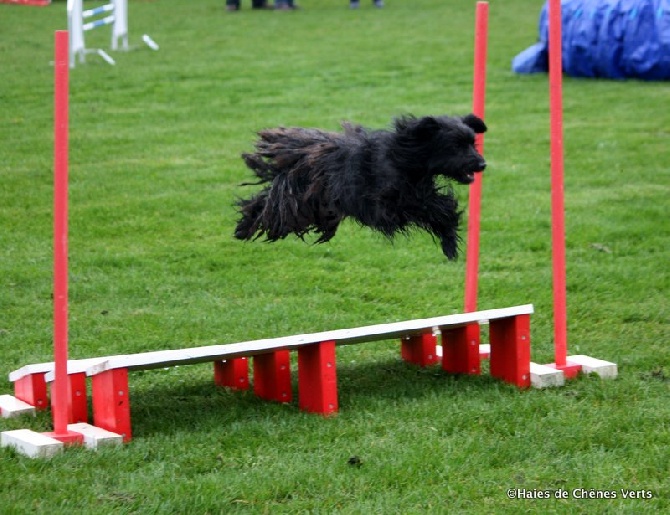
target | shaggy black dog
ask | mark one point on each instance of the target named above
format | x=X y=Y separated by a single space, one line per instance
x=385 y=180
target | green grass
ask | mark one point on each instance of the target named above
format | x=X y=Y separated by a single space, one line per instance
x=155 y=170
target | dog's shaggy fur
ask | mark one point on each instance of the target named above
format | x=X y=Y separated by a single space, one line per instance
x=385 y=180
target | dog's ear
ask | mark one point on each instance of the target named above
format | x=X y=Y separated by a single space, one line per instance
x=475 y=123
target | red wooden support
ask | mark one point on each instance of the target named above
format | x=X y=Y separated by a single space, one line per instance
x=460 y=349
x=77 y=403
x=317 y=378
x=111 y=402
x=32 y=388
x=272 y=376
x=510 y=349
x=419 y=349
x=233 y=373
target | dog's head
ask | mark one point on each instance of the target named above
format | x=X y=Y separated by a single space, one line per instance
x=443 y=145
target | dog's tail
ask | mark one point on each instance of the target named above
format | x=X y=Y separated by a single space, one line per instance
x=292 y=161
x=281 y=150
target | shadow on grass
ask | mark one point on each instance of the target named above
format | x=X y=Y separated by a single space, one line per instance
x=180 y=402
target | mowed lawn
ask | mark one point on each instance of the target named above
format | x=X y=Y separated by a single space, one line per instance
x=155 y=171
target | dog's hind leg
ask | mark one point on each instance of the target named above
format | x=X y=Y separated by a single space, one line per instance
x=327 y=230
x=327 y=221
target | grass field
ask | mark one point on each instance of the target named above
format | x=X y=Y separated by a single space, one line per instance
x=155 y=170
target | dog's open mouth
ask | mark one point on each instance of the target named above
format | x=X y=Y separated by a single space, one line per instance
x=467 y=178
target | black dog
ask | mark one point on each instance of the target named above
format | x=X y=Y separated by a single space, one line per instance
x=385 y=180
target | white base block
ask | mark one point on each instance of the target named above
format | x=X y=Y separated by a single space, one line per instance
x=484 y=350
x=10 y=406
x=30 y=443
x=604 y=369
x=95 y=436
x=542 y=376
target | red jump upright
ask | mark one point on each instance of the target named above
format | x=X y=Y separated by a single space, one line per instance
x=32 y=388
x=510 y=350
x=460 y=350
x=420 y=349
x=317 y=378
x=111 y=402
x=232 y=373
x=272 y=376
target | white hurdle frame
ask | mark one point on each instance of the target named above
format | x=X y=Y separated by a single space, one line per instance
x=116 y=15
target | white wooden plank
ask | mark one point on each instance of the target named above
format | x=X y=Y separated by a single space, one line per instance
x=73 y=366
x=76 y=366
x=156 y=359
x=38 y=368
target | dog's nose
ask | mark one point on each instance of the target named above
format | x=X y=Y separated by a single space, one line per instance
x=482 y=165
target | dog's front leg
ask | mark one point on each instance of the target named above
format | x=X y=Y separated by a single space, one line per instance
x=442 y=220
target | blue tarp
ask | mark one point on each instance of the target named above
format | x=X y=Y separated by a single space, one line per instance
x=606 y=38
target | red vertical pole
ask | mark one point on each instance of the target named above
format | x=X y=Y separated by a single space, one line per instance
x=60 y=389
x=557 y=199
x=474 y=207
x=557 y=192
x=60 y=231
x=77 y=403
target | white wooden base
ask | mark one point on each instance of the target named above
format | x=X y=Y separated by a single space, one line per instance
x=542 y=376
x=604 y=369
x=484 y=350
x=39 y=445
x=30 y=443
x=10 y=406
x=94 y=437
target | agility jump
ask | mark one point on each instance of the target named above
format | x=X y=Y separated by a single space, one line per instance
x=115 y=14
x=461 y=352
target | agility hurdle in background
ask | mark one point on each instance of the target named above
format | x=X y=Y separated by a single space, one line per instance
x=114 y=13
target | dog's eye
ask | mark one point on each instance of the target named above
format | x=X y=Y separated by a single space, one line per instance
x=467 y=140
